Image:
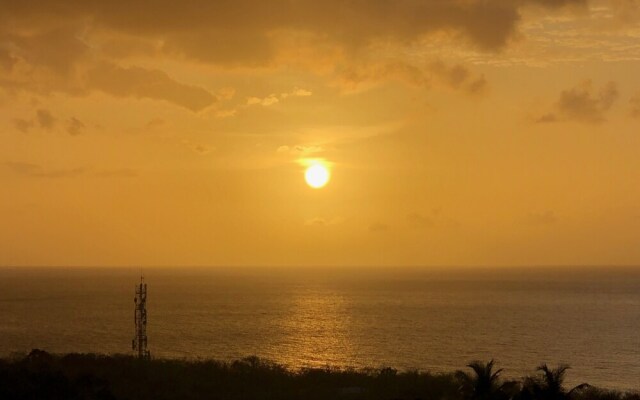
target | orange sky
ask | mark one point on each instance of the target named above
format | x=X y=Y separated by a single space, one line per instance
x=461 y=132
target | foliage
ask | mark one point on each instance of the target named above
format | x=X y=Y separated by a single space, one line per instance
x=98 y=377
x=484 y=383
x=550 y=384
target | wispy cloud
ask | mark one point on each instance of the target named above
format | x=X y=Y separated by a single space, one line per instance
x=276 y=98
x=37 y=171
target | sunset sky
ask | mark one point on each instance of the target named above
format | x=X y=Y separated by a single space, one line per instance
x=457 y=132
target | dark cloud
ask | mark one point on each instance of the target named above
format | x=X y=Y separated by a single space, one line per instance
x=45 y=119
x=22 y=125
x=557 y=3
x=323 y=222
x=7 y=60
x=459 y=77
x=378 y=227
x=202 y=149
x=59 y=61
x=626 y=13
x=550 y=117
x=317 y=222
x=417 y=220
x=144 y=83
x=74 y=126
x=37 y=171
x=58 y=49
x=155 y=123
x=117 y=173
x=542 y=218
x=239 y=31
x=222 y=47
x=23 y=168
x=583 y=104
x=353 y=77
x=78 y=47
x=634 y=102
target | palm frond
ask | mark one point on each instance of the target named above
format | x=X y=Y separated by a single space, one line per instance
x=579 y=387
x=496 y=374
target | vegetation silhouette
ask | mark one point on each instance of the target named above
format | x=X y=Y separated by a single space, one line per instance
x=484 y=383
x=550 y=385
x=41 y=375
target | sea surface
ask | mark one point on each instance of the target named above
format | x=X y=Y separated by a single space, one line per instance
x=435 y=319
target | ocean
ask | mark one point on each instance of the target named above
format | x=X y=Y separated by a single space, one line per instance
x=435 y=319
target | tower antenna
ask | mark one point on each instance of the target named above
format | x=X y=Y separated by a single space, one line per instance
x=139 y=342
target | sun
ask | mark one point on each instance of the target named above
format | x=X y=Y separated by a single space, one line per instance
x=317 y=175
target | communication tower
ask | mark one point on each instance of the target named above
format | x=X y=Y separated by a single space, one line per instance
x=139 y=342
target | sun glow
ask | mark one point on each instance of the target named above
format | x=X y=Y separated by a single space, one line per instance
x=317 y=175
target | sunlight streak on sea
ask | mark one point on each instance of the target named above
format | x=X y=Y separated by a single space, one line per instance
x=437 y=319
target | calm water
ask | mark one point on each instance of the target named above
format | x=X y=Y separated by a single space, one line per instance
x=406 y=318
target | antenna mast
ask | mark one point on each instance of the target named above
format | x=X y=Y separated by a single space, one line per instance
x=139 y=342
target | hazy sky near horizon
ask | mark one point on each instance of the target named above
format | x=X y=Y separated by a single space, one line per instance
x=462 y=132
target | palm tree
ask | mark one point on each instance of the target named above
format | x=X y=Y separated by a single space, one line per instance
x=484 y=383
x=550 y=385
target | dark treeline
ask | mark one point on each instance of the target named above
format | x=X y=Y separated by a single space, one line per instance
x=41 y=375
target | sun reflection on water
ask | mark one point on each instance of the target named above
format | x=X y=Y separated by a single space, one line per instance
x=318 y=331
